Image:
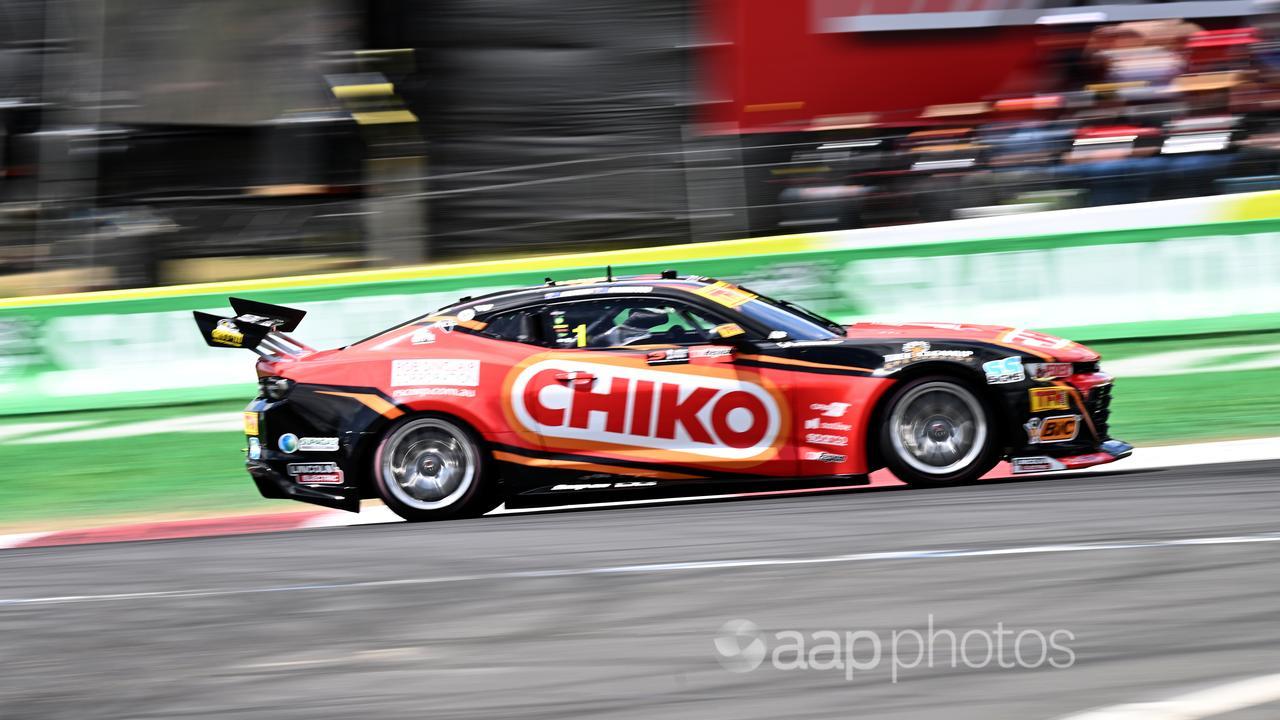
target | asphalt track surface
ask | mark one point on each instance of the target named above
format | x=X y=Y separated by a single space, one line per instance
x=1167 y=580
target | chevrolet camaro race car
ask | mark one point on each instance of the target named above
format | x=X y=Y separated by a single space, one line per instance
x=650 y=384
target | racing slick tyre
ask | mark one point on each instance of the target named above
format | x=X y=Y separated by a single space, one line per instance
x=433 y=468
x=938 y=430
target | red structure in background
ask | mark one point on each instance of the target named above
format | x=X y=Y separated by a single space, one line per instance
x=769 y=65
x=767 y=70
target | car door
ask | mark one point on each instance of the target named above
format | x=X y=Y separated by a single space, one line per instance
x=636 y=384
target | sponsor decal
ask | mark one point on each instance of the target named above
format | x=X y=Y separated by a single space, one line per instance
x=725 y=294
x=1031 y=338
x=604 y=486
x=1054 y=398
x=226 y=333
x=325 y=473
x=318 y=444
x=485 y=307
x=579 y=292
x=1035 y=464
x=1076 y=461
x=939 y=326
x=433 y=392
x=1006 y=370
x=422 y=336
x=822 y=439
x=255 y=449
x=1059 y=428
x=466 y=314
x=1049 y=371
x=835 y=409
x=713 y=416
x=408 y=373
x=288 y=443
x=446 y=325
x=251 y=423
x=669 y=356
x=710 y=352
x=808 y=343
x=920 y=350
x=818 y=424
x=571 y=293
x=728 y=330
x=825 y=457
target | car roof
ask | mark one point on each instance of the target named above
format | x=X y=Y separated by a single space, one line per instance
x=665 y=284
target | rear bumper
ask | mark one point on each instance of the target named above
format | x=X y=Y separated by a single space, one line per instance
x=1108 y=452
x=274 y=485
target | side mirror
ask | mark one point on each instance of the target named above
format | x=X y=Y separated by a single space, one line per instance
x=731 y=335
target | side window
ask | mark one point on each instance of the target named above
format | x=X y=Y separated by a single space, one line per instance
x=626 y=322
x=516 y=326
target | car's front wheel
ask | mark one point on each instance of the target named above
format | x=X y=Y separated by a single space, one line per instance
x=433 y=468
x=938 y=431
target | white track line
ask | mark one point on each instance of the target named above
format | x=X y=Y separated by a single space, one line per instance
x=208 y=422
x=655 y=568
x=16 y=539
x=1210 y=702
x=1208 y=453
x=19 y=429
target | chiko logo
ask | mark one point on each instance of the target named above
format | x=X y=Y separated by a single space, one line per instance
x=711 y=416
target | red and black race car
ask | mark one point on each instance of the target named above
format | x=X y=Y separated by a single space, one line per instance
x=650 y=384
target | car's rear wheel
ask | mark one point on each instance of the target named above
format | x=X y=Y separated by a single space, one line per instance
x=938 y=431
x=433 y=468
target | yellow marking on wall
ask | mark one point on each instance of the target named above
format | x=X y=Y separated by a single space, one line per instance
x=361 y=91
x=669 y=254
x=384 y=117
x=1254 y=206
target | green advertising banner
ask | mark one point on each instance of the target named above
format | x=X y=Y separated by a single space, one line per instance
x=1156 y=269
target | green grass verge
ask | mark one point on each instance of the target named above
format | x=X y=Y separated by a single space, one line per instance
x=1207 y=406
x=203 y=472
x=160 y=473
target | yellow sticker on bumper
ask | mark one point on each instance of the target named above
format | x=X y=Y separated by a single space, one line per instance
x=1049 y=398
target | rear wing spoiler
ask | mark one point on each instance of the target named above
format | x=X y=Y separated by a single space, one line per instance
x=257 y=326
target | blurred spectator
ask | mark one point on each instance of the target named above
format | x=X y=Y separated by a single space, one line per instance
x=1266 y=52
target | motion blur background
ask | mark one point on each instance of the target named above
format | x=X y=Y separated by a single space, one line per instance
x=1103 y=170
x=148 y=142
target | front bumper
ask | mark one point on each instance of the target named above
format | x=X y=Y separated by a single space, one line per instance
x=1088 y=408
x=1108 y=452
